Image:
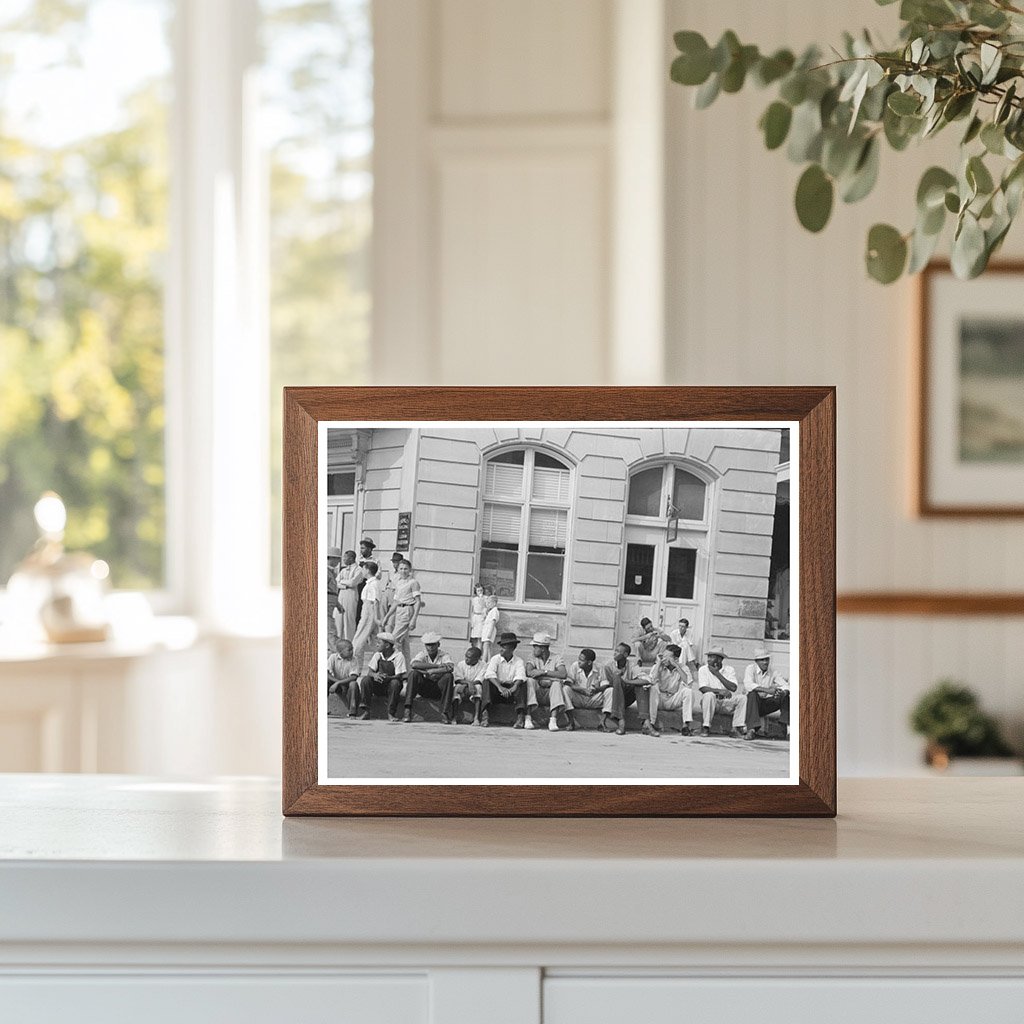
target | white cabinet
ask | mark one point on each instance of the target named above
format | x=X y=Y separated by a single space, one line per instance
x=130 y=898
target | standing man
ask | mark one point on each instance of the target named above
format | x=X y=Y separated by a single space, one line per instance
x=719 y=689
x=683 y=639
x=432 y=674
x=349 y=578
x=766 y=690
x=385 y=673
x=670 y=688
x=544 y=668
x=366 y=547
x=583 y=687
x=505 y=681
x=333 y=564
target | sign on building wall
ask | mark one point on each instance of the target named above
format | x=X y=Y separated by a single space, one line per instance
x=404 y=531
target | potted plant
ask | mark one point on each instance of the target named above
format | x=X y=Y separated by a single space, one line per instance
x=955 y=62
x=950 y=717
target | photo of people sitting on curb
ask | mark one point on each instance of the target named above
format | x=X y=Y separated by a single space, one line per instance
x=626 y=589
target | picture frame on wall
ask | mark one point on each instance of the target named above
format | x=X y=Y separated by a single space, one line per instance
x=559 y=601
x=970 y=384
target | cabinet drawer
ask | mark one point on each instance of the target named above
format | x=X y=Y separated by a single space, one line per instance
x=668 y=1000
x=202 y=999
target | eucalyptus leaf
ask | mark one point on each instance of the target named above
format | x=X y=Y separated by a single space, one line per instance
x=931 y=190
x=814 y=196
x=886 y=253
x=903 y=103
x=922 y=248
x=805 y=133
x=952 y=202
x=865 y=174
x=693 y=65
x=993 y=138
x=771 y=69
x=973 y=129
x=775 y=123
x=968 y=247
x=978 y=176
x=707 y=93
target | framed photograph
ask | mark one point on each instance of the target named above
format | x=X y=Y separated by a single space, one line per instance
x=559 y=601
x=970 y=450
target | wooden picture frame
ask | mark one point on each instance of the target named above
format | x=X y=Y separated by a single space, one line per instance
x=941 y=488
x=811 y=790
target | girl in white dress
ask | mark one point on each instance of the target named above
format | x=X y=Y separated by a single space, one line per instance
x=477 y=611
x=489 y=629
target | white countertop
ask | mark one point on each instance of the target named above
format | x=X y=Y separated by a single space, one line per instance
x=124 y=859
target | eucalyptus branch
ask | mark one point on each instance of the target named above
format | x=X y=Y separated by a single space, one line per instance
x=953 y=58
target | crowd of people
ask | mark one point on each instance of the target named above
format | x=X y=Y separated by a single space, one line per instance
x=654 y=670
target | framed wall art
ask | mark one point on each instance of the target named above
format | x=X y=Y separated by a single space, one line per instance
x=970 y=444
x=559 y=601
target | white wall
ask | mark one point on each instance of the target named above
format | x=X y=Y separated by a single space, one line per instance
x=507 y=252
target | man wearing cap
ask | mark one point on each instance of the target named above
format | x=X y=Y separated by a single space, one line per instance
x=431 y=675
x=333 y=564
x=583 y=687
x=387 y=583
x=544 y=668
x=719 y=689
x=766 y=690
x=670 y=688
x=385 y=673
x=506 y=681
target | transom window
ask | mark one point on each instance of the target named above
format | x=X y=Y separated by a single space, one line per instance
x=525 y=526
x=667 y=492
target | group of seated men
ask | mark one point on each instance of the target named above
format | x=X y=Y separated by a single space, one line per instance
x=669 y=684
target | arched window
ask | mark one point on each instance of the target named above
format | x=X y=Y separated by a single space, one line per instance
x=667 y=492
x=525 y=526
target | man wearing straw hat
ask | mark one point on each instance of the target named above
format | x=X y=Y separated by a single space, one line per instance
x=544 y=668
x=719 y=689
x=766 y=690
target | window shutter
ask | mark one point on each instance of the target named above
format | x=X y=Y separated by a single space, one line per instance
x=501 y=524
x=503 y=480
x=548 y=528
x=551 y=485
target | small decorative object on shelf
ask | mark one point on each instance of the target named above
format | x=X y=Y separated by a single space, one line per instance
x=950 y=717
x=54 y=594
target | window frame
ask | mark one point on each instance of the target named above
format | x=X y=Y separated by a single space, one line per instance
x=667 y=486
x=527 y=504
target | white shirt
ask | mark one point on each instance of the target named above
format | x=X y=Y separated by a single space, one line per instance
x=686 y=644
x=506 y=672
x=341 y=668
x=465 y=673
x=669 y=678
x=755 y=679
x=489 y=628
x=545 y=667
x=705 y=677
x=397 y=659
x=371 y=592
x=577 y=677
x=441 y=659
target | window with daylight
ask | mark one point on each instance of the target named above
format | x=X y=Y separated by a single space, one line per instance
x=524 y=535
x=83 y=244
x=667 y=492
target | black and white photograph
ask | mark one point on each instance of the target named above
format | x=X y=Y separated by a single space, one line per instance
x=622 y=592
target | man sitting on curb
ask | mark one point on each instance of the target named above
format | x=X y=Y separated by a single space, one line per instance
x=544 y=668
x=719 y=689
x=431 y=675
x=670 y=688
x=583 y=687
x=343 y=675
x=469 y=683
x=626 y=688
x=386 y=674
x=766 y=690
x=506 y=682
